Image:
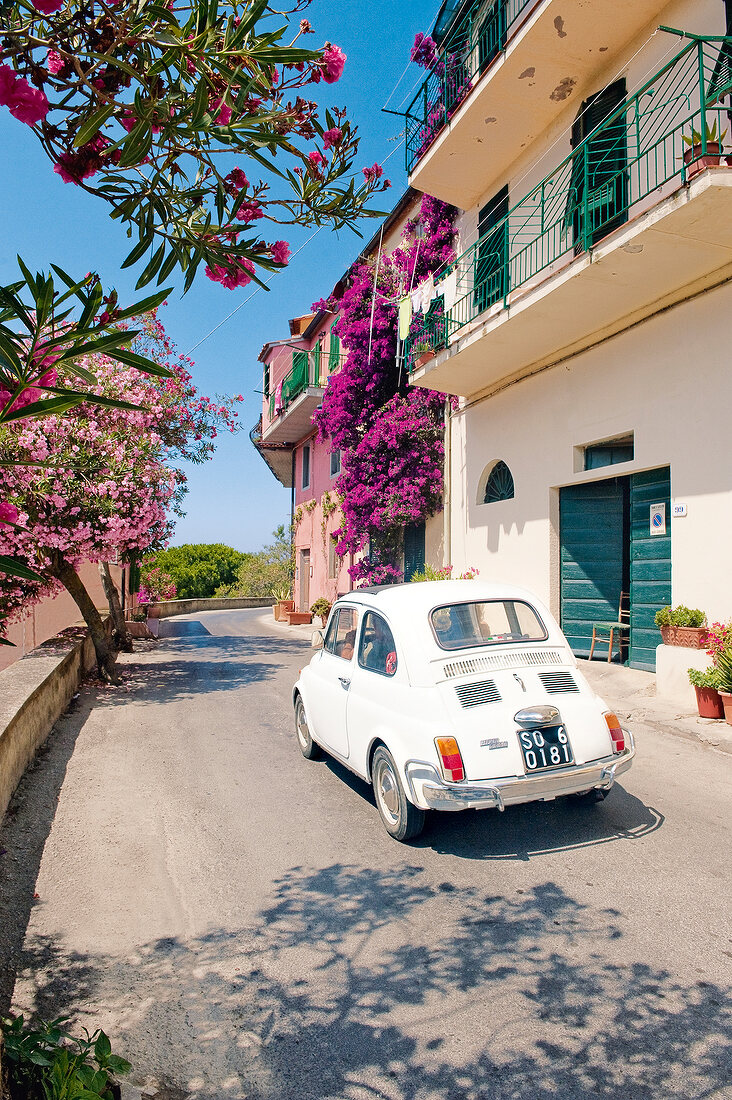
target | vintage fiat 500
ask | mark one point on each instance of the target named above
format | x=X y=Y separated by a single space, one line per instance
x=450 y=695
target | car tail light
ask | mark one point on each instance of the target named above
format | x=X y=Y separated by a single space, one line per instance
x=450 y=759
x=616 y=732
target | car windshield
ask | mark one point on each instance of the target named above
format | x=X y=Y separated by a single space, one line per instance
x=491 y=622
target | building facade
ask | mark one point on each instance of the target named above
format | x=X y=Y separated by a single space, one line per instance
x=586 y=318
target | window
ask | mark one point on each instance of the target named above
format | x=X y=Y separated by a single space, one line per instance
x=492 y=622
x=499 y=485
x=335 y=463
x=330 y=636
x=598 y=187
x=305 y=466
x=609 y=452
x=266 y=379
x=342 y=633
x=332 y=558
x=377 y=651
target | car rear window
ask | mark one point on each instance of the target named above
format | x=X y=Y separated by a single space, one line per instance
x=490 y=622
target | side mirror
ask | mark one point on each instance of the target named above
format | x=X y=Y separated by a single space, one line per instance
x=317 y=640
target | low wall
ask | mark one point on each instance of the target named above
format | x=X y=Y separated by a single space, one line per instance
x=34 y=693
x=190 y=607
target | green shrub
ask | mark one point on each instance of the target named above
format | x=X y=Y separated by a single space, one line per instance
x=321 y=607
x=47 y=1062
x=704 y=678
x=724 y=668
x=680 y=616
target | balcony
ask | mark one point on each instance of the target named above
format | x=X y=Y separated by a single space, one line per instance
x=638 y=218
x=504 y=75
x=278 y=456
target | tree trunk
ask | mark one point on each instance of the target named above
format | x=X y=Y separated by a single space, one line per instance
x=103 y=648
x=122 y=639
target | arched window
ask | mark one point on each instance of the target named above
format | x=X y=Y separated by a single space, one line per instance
x=499 y=485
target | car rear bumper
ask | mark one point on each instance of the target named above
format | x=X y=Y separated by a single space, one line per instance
x=428 y=789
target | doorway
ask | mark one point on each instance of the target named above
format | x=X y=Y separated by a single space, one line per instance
x=608 y=546
x=305 y=580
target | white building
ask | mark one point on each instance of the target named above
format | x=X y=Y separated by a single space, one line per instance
x=587 y=318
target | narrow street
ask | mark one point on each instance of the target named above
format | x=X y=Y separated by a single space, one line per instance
x=239 y=922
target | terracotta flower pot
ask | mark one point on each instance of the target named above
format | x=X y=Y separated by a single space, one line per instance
x=280 y=610
x=726 y=697
x=709 y=702
x=423 y=358
x=696 y=161
x=689 y=637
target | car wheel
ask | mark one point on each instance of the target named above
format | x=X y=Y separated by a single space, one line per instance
x=401 y=818
x=308 y=747
x=591 y=797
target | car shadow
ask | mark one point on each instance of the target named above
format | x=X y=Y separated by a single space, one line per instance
x=529 y=830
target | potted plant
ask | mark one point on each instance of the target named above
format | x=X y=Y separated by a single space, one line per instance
x=682 y=626
x=321 y=608
x=706 y=685
x=696 y=158
x=283 y=603
x=422 y=351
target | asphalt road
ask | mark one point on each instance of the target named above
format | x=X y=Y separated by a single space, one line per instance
x=240 y=923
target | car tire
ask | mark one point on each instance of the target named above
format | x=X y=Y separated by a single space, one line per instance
x=591 y=797
x=309 y=748
x=402 y=819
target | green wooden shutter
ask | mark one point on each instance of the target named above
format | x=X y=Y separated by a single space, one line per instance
x=334 y=351
x=650 y=564
x=591 y=522
x=721 y=81
x=598 y=186
x=491 y=270
x=414 y=549
x=317 y=363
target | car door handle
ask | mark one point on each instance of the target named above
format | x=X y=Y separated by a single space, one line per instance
x=344 y=682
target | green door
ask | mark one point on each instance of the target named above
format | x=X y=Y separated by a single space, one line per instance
x=650 y=564
x=594 y=557
x=414 y=549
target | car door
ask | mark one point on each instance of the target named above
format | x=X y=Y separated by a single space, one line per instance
x=379 y=689
x=330 y=682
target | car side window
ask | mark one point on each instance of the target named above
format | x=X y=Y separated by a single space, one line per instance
x=377 y=651
x=345 y=634
x=330 y=636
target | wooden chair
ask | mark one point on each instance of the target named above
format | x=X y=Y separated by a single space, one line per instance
x=606 y=632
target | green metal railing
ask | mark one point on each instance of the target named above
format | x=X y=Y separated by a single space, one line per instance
x=309 y=368
x=654 y=141
x=469 y=49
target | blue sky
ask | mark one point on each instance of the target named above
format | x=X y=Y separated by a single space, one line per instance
x=233 y=498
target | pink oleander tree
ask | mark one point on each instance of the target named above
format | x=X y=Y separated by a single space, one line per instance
x=390 y=433
x=197 y=125
x=99 y=483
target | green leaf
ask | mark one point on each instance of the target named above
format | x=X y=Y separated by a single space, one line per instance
x=100 y=344
x=40 y=408
x=102 y=1047
x=170 y=263
x=92 y=398
x=139 y=250
x=132 y=359
x=93 y=303
x=256 y=11
x=116 y=63
x=6 y=641
x=93 y=124
x=152 y=267
x=200 y=104
x=11 y=567
x=144 y=305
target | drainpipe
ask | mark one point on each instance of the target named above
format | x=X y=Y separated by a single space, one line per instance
x=447 y=487
x=292 y=523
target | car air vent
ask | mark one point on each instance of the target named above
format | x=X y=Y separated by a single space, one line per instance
x=557 y=683
x=525 y=658
x=473 y=695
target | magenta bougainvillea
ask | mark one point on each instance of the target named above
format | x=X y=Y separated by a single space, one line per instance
x=390 y=433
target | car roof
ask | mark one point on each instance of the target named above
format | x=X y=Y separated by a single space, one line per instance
x=424 y=595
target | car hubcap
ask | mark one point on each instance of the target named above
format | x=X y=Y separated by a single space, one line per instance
x=388 y=795
x=302 y=726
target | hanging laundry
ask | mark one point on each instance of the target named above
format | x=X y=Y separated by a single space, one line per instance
x=428 y=292
x=415 y=296
x=278 y=399
x=405 y=316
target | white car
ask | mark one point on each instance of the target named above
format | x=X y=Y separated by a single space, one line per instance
x=452 y=695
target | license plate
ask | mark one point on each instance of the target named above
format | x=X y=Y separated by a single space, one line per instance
x=548 y=747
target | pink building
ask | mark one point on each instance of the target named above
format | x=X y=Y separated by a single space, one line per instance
x=296 y=372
